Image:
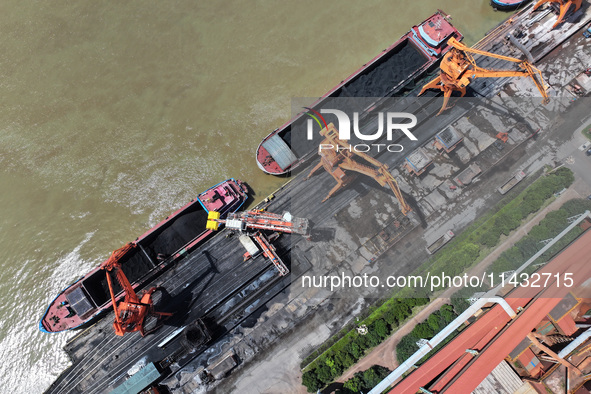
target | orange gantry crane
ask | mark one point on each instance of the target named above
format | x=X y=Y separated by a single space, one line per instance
x=341 y=158
x=458 y=68
x=132 y=312
x=564 y=7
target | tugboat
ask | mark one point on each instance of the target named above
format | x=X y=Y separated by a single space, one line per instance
x=386 y=75
x=158 y=249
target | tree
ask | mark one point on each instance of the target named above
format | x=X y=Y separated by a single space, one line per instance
x=490 y=237
x=366 y=380
x=447 y=313
x=422 y=301
x=539 y=233
x=370 y=378
x=356 y=350
x=513 y=254
x=501 y=265
x=381 y=328
x=310 y=380
x=406 y=347
x=390 y=318
x=567 y=176
x=433 y=321
x=335 y=367
x=354 y=385
x=362 y=341
x=530 y=204
x=529 y=246
x=374 y=375
x=465 y=256
x=344 y=358
x=324 y=373
x=373 y=339
x=576 y=206
x=555 y=221
x=422 y=330
x=401 y=311
x=506 y=223
x=459 y=303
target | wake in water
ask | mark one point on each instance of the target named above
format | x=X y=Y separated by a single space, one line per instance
x=32 y=360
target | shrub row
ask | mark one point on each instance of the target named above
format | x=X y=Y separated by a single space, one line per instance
x=534 y=197
x=503 y=222
x=454 y=260
x=552 y=225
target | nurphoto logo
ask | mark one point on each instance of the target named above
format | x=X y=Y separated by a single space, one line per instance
x=392 y=122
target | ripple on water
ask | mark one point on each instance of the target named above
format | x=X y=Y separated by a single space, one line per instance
x=26 y=352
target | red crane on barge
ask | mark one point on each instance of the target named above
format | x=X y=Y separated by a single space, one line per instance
x=132 y=312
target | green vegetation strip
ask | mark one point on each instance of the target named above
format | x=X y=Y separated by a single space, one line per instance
x=323 y=366
x=587 y=132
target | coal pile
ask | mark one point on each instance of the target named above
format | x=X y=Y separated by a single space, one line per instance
x=179 y=232
x=389 y=72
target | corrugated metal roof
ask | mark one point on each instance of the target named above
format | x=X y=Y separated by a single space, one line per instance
x=449 y=137
x=567 y=325
x=502 y=380
x=524 y=344
x=560 y=310
x=280 y=151
x=139 y=381
x=418 y=159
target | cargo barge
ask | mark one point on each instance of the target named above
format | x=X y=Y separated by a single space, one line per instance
x=386 y=75
x=160 y=247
